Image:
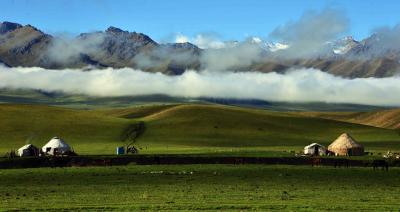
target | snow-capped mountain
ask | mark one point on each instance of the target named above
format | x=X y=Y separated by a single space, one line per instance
x=375 y=56
x=268 y=46
x=273 y=47
x=344 y=45
x=264 y=45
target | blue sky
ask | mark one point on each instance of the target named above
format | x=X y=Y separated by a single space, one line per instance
x=161 y=19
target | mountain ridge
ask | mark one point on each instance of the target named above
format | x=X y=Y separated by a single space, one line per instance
x=27 y=46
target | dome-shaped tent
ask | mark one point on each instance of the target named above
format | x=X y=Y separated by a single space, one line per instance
x=346 y=145
x=56 y=146
x=28 y=150
x=315 y=149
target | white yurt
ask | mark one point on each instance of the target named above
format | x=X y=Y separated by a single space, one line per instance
x=28 y=150
x=315 y=149
x=56 y=146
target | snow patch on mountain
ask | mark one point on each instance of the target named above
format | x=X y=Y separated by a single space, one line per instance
x=344 y=45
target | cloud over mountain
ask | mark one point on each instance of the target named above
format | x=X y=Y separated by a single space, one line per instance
x=309 y=35
x=204 y=41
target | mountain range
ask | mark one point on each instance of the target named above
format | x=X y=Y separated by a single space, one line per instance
x=28 y=46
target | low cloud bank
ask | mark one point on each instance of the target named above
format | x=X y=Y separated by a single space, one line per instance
x=301 y=85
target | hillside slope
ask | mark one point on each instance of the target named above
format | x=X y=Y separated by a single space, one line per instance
x=87 y=131
x=389 y=119
x=225 y=126
x=184 y=128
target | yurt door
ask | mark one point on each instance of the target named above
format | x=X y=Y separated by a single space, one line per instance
x=316 y=150
x=349 y=152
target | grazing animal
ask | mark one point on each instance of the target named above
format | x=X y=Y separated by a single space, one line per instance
x=238 y=161
x=107 y=162
x=316 y=162
x=11 y=154
x=341 y=162
x=380 y=163
x=285 y=195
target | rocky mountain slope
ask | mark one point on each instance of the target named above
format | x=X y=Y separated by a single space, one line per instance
x=28 y=46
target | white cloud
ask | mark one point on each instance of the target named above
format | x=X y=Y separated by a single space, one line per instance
x=181 y=39
x=64 y=49
x=307 y=37
x=383 y=39
x=208 y=42
x=273 y=47
x=204 y=41
x=256 y=39
x=303 y=85
x=231 y=58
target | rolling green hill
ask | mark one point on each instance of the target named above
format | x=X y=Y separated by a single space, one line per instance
x=86 y=131
x=183 y=128
x=200 y=126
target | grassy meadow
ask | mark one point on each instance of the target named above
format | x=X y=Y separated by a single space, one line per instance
x=203 y=129
x=182 y=128
x=200 y=187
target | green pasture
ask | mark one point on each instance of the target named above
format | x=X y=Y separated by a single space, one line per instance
x=181 y=128
x=201 y=187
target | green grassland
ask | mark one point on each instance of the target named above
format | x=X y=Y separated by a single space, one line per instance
x=203 y=129
x=87 y=131
x=224 y=126
x=200 y=187
x=181 y=128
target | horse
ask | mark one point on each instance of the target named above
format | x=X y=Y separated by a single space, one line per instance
x=341 y=162
x=316 y=162
x=380 y=163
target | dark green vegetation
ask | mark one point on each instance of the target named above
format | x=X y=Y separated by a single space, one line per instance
x=181 y=128
x=86 y=102
x=206 y=187
x=80 y=101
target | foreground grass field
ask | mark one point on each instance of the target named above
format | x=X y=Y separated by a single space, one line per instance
x=206 y=187
x=182 y=128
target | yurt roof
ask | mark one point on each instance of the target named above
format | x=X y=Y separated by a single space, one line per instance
x=56 y=142
x=344 y=141
x=314 y=144
x=26 y=146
